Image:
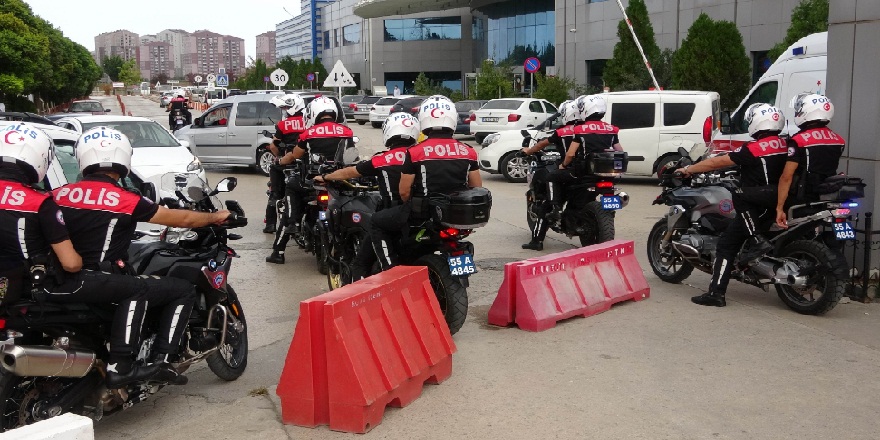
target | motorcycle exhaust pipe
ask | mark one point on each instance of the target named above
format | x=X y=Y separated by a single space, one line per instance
x=624 y=199
x=686 y=250
x=43 y=361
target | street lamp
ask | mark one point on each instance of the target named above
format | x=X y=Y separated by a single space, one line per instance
x=317 y=81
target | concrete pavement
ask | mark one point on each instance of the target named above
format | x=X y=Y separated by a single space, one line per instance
x=660 y=368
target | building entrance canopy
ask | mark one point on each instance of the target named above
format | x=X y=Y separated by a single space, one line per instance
x=384 y=8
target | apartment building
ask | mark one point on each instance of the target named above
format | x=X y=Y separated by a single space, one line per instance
x=266 y=48
x=123 y=43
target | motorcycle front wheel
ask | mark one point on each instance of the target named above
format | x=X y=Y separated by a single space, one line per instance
x=230 y=360
x=667 y=264
x=825 y=286
x=451 y=295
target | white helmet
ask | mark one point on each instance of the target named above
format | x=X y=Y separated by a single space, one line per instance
x=180 y=93
x=402 y=126
x=811 y=107
x=28 y=148
x=104 y=148
x=278 y=101
x=437 y=113
x=320 y=107
x=764 y=118
x=589 y=105
x=294 y=103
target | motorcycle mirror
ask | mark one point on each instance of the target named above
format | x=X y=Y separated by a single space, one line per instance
x=356 y=139
x=226 y=185
x=170 y=202
x=148 y=190
x=682 y=152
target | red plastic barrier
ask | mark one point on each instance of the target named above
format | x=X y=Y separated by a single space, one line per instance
x=363 y=347
x=538 y=292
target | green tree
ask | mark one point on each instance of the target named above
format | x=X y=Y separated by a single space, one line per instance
x=427 y=87
x=808 y=17
x=626 y=70
x=493 y=82
x=663 y=68
x=712 y=57
x=554 y=88
x=112 y=65
x=129 y=73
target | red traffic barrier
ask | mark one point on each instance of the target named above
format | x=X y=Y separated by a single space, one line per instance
x=363 y=347
x=538 y=292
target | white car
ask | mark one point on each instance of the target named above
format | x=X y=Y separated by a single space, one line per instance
x=382 y=108
x=509 y=114
x=156 y=151
x=498 y=155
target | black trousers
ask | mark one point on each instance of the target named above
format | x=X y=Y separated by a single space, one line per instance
x=556 y=181
x=366 y=256
x=751 y=205
x=385 y=225
x=132 y=296
x=291 y=211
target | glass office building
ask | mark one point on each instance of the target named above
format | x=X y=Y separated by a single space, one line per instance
x=516 y=30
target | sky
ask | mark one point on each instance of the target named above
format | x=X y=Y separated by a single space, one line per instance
x=82 y=20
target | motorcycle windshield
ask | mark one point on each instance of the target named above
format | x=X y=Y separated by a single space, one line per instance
x=189 y=185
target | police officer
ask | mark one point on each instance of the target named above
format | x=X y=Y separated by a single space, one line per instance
x=813 y=152
x=561 y=139
x=439 y=164
x=101 y=217
x=178 y=102
x=399 y=132
x=286 y=136
x=32 y=231
x=761 y=162
x=323 y=137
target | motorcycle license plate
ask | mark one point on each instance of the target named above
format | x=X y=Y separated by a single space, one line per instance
x=462 y=265
x=844 y=231
x=490 y=119
x=322 y=215
x=611 y=203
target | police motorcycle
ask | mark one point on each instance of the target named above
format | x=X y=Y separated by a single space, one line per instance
x=351 y=203
x=806 y=266
x=54 y=355
x=590 y=205
x=178 y=120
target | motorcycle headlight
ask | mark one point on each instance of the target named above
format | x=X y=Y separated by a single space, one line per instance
x=195 y=165
x=491 y=139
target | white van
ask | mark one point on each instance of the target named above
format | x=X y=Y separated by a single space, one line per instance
x=801 y=69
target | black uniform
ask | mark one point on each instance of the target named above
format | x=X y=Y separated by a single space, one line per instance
x=593 y=137
x=101 y=217
x=561 y=139
x=30 y=222
x=287 y=132
x=440 y=165
x=179 y=104
x=817 y=152
x=761 y=162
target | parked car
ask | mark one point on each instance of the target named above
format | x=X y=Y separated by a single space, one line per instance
x=509 y=114
x=382 y=108
x=214 y=96
x=156 y=151
x=362 y=114
x=87 y=106
x=349 y=104
x=653 y=126
x=465 y=111
x=408 y=105
x=165 y=99
x=265 y=92
x=801 y=68
x=233 y=92
x=230 y=132
x=29 y=117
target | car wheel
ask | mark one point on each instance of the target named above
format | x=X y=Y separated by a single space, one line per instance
x=376 y=124
x=361 y=122
x=265 y=159
x=513 y=167
x=480 y=137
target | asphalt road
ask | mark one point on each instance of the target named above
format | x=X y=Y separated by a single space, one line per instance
x=660 y=368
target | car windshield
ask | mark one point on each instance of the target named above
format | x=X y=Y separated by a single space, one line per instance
x=352 y=98
x=86 y=107
x=140 y=133
x=370 y=100
x=466 y=106
x=387 y=101
x=502 y=104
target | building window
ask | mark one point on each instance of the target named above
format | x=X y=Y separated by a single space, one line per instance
x=326 y=39
x=351 y=34
x=335 y=37
x=478 y=29
x=519 y=30
x=596 y=1
x=595 y=70
x=421 y=29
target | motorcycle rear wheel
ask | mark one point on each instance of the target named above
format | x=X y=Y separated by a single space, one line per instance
x=230 y=360
x=451 y=295
x=668 y=266
x=601 y=224
x=830 y=280
x=531 y=216
x=18 y=396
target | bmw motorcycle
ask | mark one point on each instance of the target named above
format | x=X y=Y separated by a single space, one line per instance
x=806 y=266
x=590 y=205
x=350 y=205
x=54 y=356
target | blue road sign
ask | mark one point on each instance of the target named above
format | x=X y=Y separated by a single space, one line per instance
x=310 y=77
x=222 y=80
x=532 y=65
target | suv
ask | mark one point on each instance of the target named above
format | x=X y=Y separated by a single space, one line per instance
x=230 y=132
x=362 y=114
x=408 y=105
x=509 y=114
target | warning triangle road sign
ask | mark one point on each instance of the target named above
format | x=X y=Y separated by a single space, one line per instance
x=339 y=77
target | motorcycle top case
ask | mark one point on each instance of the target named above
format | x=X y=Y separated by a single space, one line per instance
x=465 y=209
x=609 y=163
x=841 y=187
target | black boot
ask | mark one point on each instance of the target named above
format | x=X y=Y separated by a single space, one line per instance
x=269 y=228
x=271 y=217
x=710 y=298
x=754 y=248
x=275 y=258
x=534 y=245
x=166 y=373
x=136 y=373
